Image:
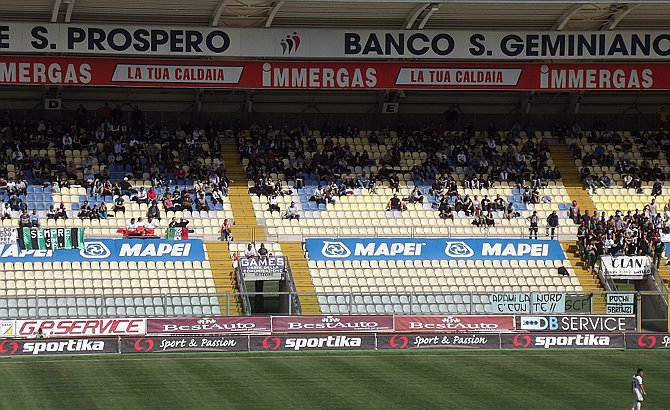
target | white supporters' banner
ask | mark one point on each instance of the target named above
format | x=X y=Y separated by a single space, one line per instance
x=7 y=236
x=626 y=267
x=302 y=43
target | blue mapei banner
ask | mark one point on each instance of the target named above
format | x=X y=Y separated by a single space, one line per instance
x=112 y=250
x=431 y=249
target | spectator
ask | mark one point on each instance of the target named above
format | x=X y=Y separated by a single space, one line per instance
x=24 y=219
x=658 y=250
x=173 y=223
x=167 y=203
x=62 y=211
x=292 y=212
x=605 y=181
x=34 y=219
x=142 y=197
x=51 y=213
x=153 y=211
x=272 y=204
x=150 y=226
x=94 y=214
x=490 y=220
x=574 y=213
x=250 y=252
x=102 y=211
x=6 y=211
x=657 y=188
x=395 y=204
x=226 y=231
x=416 y=196
x=533 y=219
x=262 y=251
x=552 y=224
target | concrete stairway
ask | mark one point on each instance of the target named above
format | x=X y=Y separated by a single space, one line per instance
x=246 y=228
x=589 y=280
x=301 y=276
x=563 y=160
x=225 y=280
x=570 y=175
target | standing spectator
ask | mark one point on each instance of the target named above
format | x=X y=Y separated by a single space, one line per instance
x=262 y=251
x=250 y=251
x=658 y=249
x=533 y=219
x=552 y=224
x=574 y=213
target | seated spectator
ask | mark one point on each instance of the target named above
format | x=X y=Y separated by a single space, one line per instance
x=150 y=226
x=24 y=219
x=142 y=197
x=119 y=204
x=6 y=211
x=605 y=181
x=509 y=211
x=272 y=204
x=34 y=219
x=292 y=212
x=16 y=203
x=153 y=211
x=61 y=212
x=186 y=202
x=318 y=196
x=226 y=231
x=490 y=220
x=416 y=196
x=95 y=213
x=480 y=220
x=84 y=211
x=151 y=195
x=201 y=203
x=262 y=251
x=167 y=203
x=395 y=204
x=657 y=188
x=126 y=188
x=51 y=213
x=217 y=195
x=250 y=252
x=102 y=211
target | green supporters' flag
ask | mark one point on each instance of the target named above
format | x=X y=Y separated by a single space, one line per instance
x=51 y=239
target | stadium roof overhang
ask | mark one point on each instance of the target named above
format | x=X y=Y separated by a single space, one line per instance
x=390 y=14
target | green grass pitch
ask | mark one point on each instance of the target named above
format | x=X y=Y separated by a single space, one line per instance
x=341 y=380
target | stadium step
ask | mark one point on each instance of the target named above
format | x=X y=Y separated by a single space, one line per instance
x=589 y=280
x=246 y=228
x=224 y=277
x=301 y=276
x=563 y=160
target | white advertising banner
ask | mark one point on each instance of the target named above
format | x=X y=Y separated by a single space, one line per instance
x=331 y=43
x=7 y=236
x=626 y=267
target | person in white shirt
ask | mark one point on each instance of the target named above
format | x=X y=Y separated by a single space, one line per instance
x=150 y=224
x=638 y=390
x=250 y=252
x=142 y=196
x=292 y=212
x=6 y=211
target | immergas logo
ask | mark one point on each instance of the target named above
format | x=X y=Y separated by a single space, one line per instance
x=595 y=78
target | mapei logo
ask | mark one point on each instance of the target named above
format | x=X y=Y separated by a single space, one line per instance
x=271 y=343
x=290 y=44
x=95 y=250
x=399 y=342
x=522 y=341
x=8 y=348
x=335 y=250
x=144 y=345
x=458 y=250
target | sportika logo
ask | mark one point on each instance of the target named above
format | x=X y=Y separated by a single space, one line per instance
x=335 y=250
x=290 y=44
x=458 y=250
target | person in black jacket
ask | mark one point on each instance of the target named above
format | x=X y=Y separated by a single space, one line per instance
x=552 y=224
x=533 y=219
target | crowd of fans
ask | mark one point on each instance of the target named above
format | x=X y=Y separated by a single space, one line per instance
x=114 y=139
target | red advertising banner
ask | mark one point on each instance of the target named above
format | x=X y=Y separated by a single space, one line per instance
x=185 y=344
x=81 y=327
x=474 y=323
x=281 y=324
x=21 y=70
x=562 y=341
x=219 y=324
x=23 y=347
